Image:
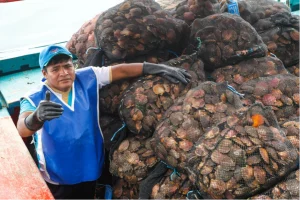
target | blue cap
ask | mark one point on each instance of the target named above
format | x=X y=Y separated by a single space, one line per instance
x=49 y=52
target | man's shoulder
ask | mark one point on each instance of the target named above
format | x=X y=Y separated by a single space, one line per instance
x=35 y=90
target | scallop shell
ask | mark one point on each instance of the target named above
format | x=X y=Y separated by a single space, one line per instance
x=264 y=154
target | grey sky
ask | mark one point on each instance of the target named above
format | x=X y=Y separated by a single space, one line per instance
x=38 y=22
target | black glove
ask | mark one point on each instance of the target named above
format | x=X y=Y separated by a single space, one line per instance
x=173 y=74
x=46 y=110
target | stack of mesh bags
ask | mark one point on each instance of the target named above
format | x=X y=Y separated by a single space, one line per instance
x=277 y=27
x=227 y=150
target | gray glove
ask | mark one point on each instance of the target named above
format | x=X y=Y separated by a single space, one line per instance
x=173 y=74
x=47 y=110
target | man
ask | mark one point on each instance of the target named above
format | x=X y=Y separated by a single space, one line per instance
x=65 y=124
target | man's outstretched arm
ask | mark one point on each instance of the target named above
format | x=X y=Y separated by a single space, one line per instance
x=175 y=75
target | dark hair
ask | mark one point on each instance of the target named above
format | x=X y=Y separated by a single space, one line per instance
x=57 y=59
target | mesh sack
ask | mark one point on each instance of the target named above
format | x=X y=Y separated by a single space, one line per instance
x=248 y=70
x=110 y=96
x=136 y=27
x=175 y=188
x=133 y=159
x=254 y=10
x=282 y=38
x=189 y=10
x=82 y=40
x=169 y=5
x=287 y=189
x=124 y=190
x=166 y=188
x=143 y=105
x=189 y=118
x=243 y=155
x=109 y=125
x=157 y=56
x=291 y=129
x=281 y=92
x=225 y=39
x=294 y=69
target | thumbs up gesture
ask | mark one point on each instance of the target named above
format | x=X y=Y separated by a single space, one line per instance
x=46 y=110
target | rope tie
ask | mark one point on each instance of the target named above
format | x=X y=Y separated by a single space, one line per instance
x=174 y=53
x=199 y=42
x=232 y=89
x=95 y=48
x=175 y=172
x=192 y=191
x=114 y=135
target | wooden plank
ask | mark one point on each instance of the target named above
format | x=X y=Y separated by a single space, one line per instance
x=19 y=176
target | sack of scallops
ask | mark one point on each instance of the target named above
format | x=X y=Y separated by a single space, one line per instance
x=254 y=10
x=111 y=95
x=176 y=187
x=189 y=118
x=189 y=10
x=169 y=5
x=294 y=69
x=248 y=70
x=287 y=189
x=82 y=40
x=281 y=35
x=124 y=190
x=225 y=39
x=281 y=92
x=133 y=160
x=144 y=103
x=291 y=129
x=136 y=27
x=243 y=155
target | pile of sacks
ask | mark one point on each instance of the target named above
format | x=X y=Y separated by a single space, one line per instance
x=232 y=132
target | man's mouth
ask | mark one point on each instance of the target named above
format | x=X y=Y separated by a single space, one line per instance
x=63 y=80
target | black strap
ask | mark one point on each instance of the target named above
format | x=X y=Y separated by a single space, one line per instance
x=95 y=59
x=154 y=177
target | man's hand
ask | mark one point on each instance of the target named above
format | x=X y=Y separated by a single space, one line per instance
x=173 y=74
x=46 y=110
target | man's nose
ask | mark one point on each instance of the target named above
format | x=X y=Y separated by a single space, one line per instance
x=64 y=70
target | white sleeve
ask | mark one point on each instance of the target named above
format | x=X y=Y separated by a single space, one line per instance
x=103 y=75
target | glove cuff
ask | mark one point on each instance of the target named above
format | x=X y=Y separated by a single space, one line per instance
x=144 y=71
x=33 y=123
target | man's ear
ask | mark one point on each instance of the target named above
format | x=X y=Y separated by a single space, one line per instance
x=44 y=72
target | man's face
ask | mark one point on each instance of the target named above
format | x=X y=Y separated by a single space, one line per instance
x=60 y=75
